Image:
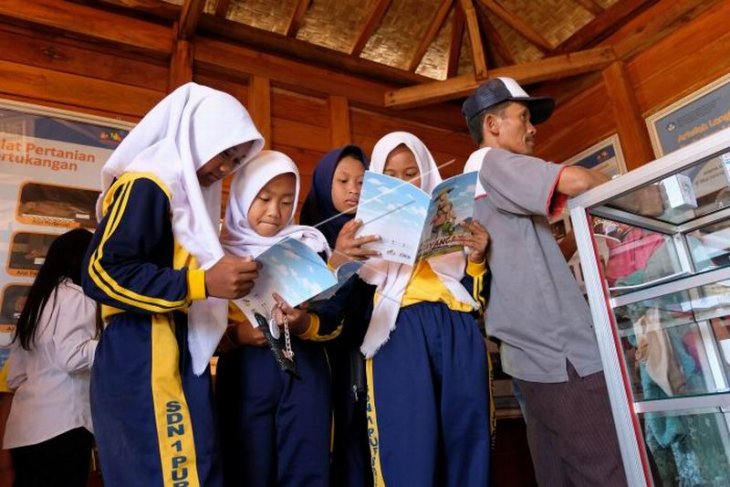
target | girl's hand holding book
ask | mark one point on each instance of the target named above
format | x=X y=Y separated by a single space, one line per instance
x=298 y=319
x=350 y=247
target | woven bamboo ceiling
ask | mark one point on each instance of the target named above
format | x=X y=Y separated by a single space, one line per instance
x=435 y=49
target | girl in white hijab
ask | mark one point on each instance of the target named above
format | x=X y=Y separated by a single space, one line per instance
x=276 y=426
x=427 y=365
x=153 y=262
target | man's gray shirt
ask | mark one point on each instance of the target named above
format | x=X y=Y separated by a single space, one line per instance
x=535 y=307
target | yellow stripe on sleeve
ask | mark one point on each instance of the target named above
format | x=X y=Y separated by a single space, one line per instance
x=373 y=435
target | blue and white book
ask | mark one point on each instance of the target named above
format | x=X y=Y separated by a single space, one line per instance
x=290 y=269
x=412 y=224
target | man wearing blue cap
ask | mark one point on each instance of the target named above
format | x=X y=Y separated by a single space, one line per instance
x=536 y=309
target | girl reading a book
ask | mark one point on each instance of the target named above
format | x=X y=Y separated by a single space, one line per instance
x=276 y=426
x=330 y=206
x=426 y=364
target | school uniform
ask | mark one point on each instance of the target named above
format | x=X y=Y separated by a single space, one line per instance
x=275 y=428
x=428 y=393
x=350 y=455
x=151 y=398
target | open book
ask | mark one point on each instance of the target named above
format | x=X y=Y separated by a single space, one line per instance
x=298 y=274
x=412 y=224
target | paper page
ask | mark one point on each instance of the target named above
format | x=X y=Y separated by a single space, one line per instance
x=292 y=270
x=395 y=210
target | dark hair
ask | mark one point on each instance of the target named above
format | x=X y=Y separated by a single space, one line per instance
x=476 y=122
x=353 y=151
x=63 y=261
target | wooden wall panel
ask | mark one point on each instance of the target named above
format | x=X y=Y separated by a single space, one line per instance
x=296 y=107
x=683 y=62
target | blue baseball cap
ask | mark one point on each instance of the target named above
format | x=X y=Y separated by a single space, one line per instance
x=498 y=90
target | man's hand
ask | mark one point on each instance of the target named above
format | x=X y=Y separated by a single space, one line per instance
x=231 y=277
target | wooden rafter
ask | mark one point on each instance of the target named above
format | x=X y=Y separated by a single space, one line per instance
x=373 y=21
x=600 y=27
x=493 y=37
x=189 y=18
x=295 y=21
x=533 y=72
x=221 y=8
x=434 y=27
x=522 y=27
x=475 y=38
x=591 y=5
x=457 y=39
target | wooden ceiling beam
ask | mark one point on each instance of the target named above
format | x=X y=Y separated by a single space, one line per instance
x=600 y=27
x=591 y=5
x=541 y=70
x=457 y=39
x=90 y=23
x=475 y=39
x=373 y=21
x=271 y=42
x=189 y=18
x=221 y=8
x=493 y=37
x=297 y=15
x=522 y=27
x=439 y=17
x=154 y=8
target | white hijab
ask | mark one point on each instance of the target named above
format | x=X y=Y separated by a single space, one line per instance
x=177 y=137
x=391 y=278
x=238 y=238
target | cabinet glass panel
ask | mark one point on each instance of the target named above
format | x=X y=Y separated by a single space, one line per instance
x=634 y=258
x=694 y=192
x=687 y=448
x=710 y=246
x=668 y=352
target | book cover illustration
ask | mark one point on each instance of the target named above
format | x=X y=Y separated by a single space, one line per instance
x=412 y=224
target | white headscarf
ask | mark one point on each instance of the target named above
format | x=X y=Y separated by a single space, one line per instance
x=391 y=278
x=238 y=238
x=177 y=137
x=474 y=164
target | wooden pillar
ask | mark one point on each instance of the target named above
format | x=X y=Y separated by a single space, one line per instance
x=340 y=133
x=632 y=131
x=181 y=64
x=259 y=104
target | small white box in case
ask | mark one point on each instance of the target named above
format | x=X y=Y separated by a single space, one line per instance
x=679 y=192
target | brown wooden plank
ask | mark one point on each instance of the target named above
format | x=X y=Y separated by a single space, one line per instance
x=228 y=59
x=475 y=39
x=295 y=21
x=91 y=23
x=678 y=64
x=437 y=21
x=153 y=8
x=522 y=27
x=591 y=5
x=181 y=65
x=190 y=15
x=271 y=43
x=493 y=37
x=40 y=49
x=541 y=70
x=300 y=134
x=221 y=8
x=340 y=132
x=73 y=90
x=605 y=23
x=457 y=38
x=237 y=88
x=259 y=106
x=368 y=27
x=632 y=131
x=291 y=105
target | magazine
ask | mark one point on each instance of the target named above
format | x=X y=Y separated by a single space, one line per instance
x=412 y=224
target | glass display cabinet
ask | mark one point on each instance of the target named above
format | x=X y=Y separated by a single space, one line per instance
x=654 y=248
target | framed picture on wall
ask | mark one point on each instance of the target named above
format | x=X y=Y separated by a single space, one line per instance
x=692 y=118
x=605 y=156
